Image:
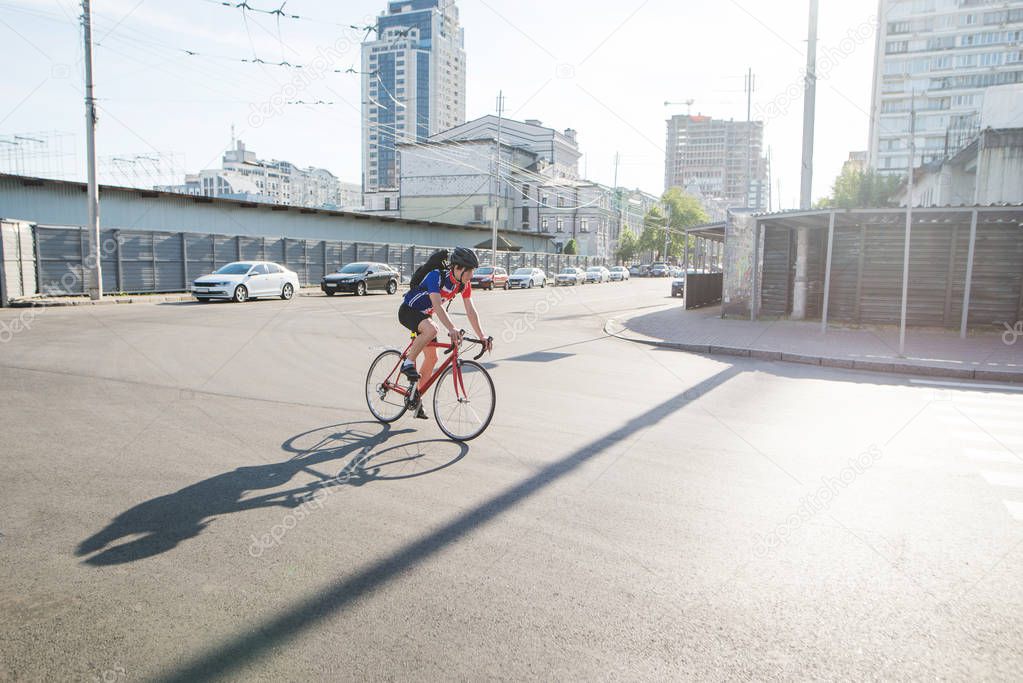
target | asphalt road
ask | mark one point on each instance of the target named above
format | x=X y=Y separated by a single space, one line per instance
x=192 y=491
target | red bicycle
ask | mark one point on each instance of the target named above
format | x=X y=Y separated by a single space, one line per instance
x=463 y=402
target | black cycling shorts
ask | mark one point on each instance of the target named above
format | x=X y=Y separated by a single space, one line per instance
x=410 y=318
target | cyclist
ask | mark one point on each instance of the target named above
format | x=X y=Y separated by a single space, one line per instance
x=420 y=303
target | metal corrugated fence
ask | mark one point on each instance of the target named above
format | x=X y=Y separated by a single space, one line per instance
x=866 y=278
x=143 y=262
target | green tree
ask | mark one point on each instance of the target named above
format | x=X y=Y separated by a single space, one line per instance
x=686 y=212
x=856 y=189
x=652 y=237
x=571 y=248
x=628 y=244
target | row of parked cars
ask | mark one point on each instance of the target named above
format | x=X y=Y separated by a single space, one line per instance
x=244 y=280
x=656 y=270
x=490 y=277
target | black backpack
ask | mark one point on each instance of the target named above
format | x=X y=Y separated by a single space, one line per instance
x=438 y=261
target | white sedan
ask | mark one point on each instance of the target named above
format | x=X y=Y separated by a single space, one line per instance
x=619 y=273
x=244 y=280
x=598 y=274
x=527 y=278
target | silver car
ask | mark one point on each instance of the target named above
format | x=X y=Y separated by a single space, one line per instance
x=570 y=276
x=619 y=274
x=598 y=274
x=527 y=278
x=244 y=280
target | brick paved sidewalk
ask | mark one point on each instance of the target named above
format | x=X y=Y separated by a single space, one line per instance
x=991 y=355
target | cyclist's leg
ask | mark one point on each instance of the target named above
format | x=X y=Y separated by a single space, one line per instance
x=426 y=333
x=411 y=320
x=429 y=363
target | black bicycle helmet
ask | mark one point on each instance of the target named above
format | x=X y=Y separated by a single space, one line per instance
x=464 y=257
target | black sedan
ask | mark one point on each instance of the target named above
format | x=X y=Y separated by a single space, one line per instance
x=360 y=278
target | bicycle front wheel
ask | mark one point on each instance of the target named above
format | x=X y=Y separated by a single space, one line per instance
x=463 y=416
x=386 y=404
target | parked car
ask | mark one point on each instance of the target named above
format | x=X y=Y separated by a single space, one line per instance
x=678 y=285
x=489 y=277
x=527 y=278
x=619 y=274
x=360 y=278
x=660 y=270
x=598 y=274
x=570 y=276
x=644 y=270
x=244 y=280
x=635 y=271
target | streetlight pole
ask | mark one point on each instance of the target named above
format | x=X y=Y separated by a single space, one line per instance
x=497 y=178
x=93 y=265
x=806 y=185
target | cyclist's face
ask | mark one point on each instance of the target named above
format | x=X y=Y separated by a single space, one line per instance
x=463 y=275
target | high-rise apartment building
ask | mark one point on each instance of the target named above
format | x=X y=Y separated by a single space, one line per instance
x=724 y=159
x=946 y=53
x=413 y=86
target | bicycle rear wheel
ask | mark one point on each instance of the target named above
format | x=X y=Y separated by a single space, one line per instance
x=386 y=404
x=463 y=417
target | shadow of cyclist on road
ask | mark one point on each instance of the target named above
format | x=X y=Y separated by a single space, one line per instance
x=160 y=524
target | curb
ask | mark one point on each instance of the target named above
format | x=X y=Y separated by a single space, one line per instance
x=886 y=367
x=113 y=300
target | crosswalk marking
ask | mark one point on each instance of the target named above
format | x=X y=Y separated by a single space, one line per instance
x=1015 y=509
x=996 y=455
x=1004 y=479
x=988 y=430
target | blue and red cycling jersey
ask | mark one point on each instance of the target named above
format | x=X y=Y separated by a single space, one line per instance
x=436 y=282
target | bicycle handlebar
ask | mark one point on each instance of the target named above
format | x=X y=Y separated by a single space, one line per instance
x=471 y=340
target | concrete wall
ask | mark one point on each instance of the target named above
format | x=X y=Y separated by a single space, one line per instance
x=17 y=261
x=60 y=203
x=1001 y=167
x=738 y=266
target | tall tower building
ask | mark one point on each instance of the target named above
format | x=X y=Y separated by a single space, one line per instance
x=413 y=86
x=723 y=159
x=947 y=52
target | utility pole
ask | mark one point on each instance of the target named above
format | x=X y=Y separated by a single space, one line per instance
x=497 y=178
x=750 y=86
x=618 y=200
x=93 y=263
x=667 y=230
x=806 y=186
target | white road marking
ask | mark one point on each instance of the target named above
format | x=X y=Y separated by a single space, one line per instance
x=1015 y=509
x=966 y=385
x=1003 y=479
x=995 y=454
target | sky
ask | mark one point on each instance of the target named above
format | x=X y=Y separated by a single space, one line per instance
x=605 y=69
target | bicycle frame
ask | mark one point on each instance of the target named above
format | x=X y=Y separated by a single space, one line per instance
x=452 y=358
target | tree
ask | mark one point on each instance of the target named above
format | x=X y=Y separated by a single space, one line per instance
x=628 y=244
x=571 y=248
x=686 y=212
x=856 y=189
x=652 y=237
